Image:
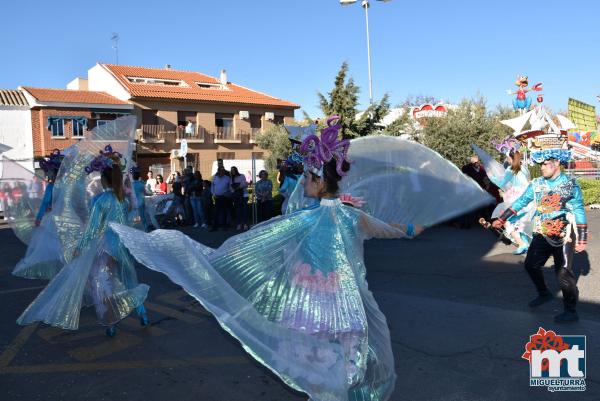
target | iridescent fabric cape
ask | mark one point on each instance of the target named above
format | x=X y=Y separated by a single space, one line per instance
x=101 y=274
x=512 y=186
x=51 y=245
x=293 y=290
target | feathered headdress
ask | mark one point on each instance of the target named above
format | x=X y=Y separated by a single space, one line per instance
x=53 y=162
x=107 y=158
x=562 y=155
x=319 y=151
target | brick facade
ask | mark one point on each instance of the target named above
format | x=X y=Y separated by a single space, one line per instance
x=43 y=141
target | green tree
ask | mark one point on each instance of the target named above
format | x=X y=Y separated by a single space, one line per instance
x=404 y=124
x=343 y=101
x=276 y=141
x=468 y=123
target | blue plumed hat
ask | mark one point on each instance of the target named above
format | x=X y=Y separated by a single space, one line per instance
x=562 y=155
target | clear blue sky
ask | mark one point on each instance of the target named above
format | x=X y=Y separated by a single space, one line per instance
x=293 y=49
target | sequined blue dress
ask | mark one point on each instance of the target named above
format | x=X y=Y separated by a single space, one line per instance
x=100 y=274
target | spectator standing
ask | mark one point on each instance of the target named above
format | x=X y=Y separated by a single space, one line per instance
x=194 y=191
x=150 y=182
x=207 y=203
x=239 y=189
x=475 y=170
x=264 y=196
x=172 y=178
x=178 y=202
x=186 y=180
x=221 y=190
x=161 y=186
x=190 y=129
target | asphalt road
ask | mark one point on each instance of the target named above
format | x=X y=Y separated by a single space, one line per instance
x=455 y=300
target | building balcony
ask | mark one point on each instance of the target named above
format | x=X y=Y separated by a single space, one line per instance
x=151 y=133
x=198 y=136
x=253 y=133
x=228 y=135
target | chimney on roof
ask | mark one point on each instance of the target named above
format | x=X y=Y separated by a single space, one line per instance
x=168 y=67
x=223 y=78
x=80 y=84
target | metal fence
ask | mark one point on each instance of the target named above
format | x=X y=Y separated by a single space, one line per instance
x=585 y=168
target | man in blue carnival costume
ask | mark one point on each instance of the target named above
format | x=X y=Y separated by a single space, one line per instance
x=560 y=228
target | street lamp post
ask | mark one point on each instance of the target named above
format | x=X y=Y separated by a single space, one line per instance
x=365 y=4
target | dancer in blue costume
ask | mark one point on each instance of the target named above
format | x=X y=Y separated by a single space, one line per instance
x=101 y=270
x=43 y=257
x=292 y=290
x=560 y=228
x=513 y=181
x=50 y=168
x=140 y=191
x=292 y=171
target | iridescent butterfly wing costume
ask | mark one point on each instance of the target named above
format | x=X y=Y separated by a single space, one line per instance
x=292 y=290
x=98 y=269
x=512 y=186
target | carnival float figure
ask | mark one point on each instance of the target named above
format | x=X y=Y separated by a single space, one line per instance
x=512 y=180
x=292 y=289
x=522 y=102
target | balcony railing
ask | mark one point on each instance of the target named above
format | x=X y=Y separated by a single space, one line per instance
x=227 y=134
x=153 y=133
x=199 y=134
x=253 y=133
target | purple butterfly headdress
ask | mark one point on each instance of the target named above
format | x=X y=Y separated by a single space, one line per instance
x=318 y=151
x=107 y=158
x=508 y=144
x=53 y=162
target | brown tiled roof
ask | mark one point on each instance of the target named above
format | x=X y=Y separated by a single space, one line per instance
x=12 y=97
x=72 y=96
x=191 y=91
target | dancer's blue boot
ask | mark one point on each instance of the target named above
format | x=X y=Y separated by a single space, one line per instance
x=141 y=311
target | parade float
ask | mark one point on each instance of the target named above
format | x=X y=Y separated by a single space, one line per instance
x=536 y=129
